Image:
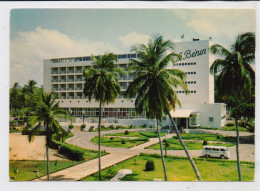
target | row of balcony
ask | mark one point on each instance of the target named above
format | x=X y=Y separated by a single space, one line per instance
x=67 y=80
x=66 y=72
x=81 y=80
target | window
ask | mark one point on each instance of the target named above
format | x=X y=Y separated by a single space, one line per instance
x=195 y=91
x=214 y=149
x=194 y=63
x=191 y=63
x=194 y=72
x=188 y=63
x=211 y=119
x=188 y=72
x=185 y=64
x=182 y=64
x=194 y=82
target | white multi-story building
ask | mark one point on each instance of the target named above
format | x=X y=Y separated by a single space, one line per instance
x=64 y=76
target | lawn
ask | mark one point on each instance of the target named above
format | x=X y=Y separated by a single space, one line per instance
x=175 y=145
x=150 y=134
x=117 y=141
x=206 y=137
x=177 y=170
x=26 y=168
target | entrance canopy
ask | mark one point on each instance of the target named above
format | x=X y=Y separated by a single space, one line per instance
x=181 y=113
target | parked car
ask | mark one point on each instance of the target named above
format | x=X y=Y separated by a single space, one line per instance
x=216 y=151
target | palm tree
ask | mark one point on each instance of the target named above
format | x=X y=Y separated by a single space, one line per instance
x=45 y=113
x=28 y=97
x=236 y=77
x=14 y=95
x=102 y=84
x=154 y=84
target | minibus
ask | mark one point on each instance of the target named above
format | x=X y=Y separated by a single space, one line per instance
x=216 y=151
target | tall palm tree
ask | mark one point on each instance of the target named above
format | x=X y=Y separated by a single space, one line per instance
x=154 y=84
x=45 y=113
x=236 y=78
x=102 y=85
x=28 y=97
x=14 y=95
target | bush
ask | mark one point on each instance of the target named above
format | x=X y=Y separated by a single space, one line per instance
x=131 y=126
x=123 y=141
x=91 y=128
x=205 y=142
x=111 y=127
x=28 y=131
x=151 y=126
x=156 y=132
x=83 y=126
x=229 y=124
x=111 y=138
x=117 y=127
x=71 y=126
x=149 y=166
x=126 y=132
x=71 y=151
x=102 y=127
x=143 y=126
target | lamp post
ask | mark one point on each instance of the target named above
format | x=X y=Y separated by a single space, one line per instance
x=83 y=112
x=70 y=111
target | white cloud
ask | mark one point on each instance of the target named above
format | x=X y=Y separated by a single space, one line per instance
x=202 y=27
x=28 y=49
x=134 y=38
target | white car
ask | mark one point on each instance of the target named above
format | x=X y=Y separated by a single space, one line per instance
x=216 y=151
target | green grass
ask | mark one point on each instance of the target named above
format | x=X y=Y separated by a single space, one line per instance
x=175 y=145
x=117 y=142
x=233 y=128
x=131 y=134
x=206 y=137
x=177 y=170
x=26 y=168
x=150 y=134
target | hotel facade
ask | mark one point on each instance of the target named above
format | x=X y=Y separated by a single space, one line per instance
x=65 y=77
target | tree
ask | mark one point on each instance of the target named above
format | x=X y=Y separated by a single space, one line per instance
x=45 y=113
x=102 y=84
x=15 y=96
x=236 y=79
x=154 y=84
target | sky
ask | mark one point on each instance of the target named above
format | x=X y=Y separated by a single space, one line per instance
x=36 y=34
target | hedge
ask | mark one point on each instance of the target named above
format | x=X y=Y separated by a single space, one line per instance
x=198 y=159
x=28 y=131
x=71 y=151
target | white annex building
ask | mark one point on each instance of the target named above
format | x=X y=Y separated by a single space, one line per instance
x=64 y=76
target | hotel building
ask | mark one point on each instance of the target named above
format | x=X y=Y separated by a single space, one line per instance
x=64 y=76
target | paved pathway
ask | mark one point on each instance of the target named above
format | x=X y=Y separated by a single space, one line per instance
x=117 y=155
x=87 y=168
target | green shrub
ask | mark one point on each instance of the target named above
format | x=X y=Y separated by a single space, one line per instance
x=143 y=126
x=205 y=142
x=156 y=132
x=229 y=124
x=111 y=138
x=91 y=128
x=126 y=132
x=123 y=141
x=102 y=127
x=71 y=126
x=149 y=166
x=72 y=152
x=117 y=127
x=111 y=127
x=83 y=126
x=28 y=131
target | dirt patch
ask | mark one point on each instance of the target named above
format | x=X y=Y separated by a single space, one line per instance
x=21 y=149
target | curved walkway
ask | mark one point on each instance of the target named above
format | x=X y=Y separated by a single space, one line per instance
x=117 y=155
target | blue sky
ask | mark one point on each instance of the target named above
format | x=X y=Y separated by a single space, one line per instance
x=45 y=33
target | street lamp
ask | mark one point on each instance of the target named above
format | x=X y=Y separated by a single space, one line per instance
x=70 y=111
x=83 y=112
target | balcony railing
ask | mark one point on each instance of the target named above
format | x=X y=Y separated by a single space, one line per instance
x=62 y=72
x=70 y=80
x=54 y=80
x=78 y=71
x=54 y=72
x=78 y=80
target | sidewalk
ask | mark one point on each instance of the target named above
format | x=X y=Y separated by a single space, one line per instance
x=87 y=168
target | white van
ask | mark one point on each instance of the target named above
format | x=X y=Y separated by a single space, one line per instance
x=216 y=151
